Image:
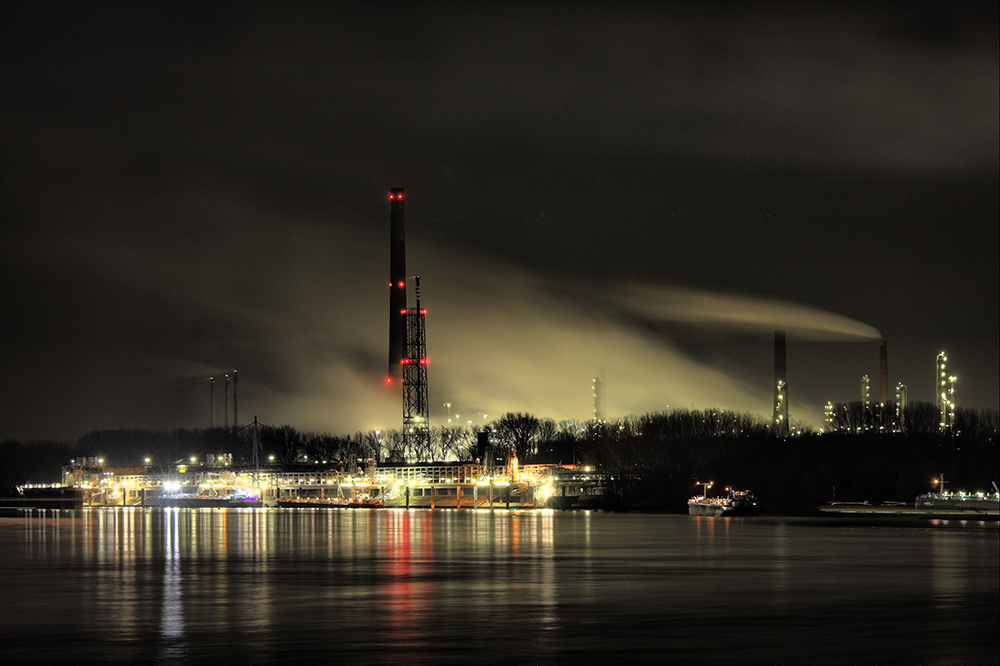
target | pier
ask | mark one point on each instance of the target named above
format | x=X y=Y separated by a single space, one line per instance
x=435 y=485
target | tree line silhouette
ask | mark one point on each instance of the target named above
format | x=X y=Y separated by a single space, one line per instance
x=649 y=461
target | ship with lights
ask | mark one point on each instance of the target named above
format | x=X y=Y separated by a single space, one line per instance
x=980 y=503
x=733 y=503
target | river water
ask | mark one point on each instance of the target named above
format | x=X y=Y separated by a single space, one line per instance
x=265 y=586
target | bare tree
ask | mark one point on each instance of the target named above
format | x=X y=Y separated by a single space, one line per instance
x=393 y=444
x=454 y=442
x=286 y=442
x=519 y=432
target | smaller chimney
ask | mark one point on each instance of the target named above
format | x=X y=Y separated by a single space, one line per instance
x=236 y=420
x=883 y=373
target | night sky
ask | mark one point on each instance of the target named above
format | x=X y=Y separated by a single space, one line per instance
x=641 y=191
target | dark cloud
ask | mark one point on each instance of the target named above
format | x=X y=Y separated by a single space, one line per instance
x=647 y=189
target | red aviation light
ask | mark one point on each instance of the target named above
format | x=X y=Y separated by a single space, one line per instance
x=423 y=312
x=401 y=285
x=424 y=361
x=405 y=361
x=402 y=312
x=388 y=381
x=398 y=197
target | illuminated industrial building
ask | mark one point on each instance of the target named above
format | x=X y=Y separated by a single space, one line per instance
x=454 y=485
x=828 y=417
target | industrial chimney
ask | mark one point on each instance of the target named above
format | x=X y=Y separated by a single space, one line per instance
x=397 y=284
x=236 y=419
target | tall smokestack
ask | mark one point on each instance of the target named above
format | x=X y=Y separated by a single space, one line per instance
x=211 y=401
x=236 y=420
x=780 y=416
x=397 y=284
x=883 y=373
x=226 y=410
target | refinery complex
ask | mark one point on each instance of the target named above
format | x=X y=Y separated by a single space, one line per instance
x=495 y=477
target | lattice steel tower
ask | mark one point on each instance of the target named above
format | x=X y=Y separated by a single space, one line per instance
x=416 y=425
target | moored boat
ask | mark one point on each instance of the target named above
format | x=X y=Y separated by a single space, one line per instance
x=328 y=503
x=43 y=497
x=979 y=503
x=737 y=503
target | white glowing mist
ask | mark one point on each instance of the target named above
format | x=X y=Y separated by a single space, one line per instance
x=738 y=313
x=503 y=339
x=304 y=318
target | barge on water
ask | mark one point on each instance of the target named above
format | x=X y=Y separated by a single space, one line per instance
x=329 y=503
x=960 y=503
x=41 y=497
x=199 y=501
x=979 y=504
x=737 y=503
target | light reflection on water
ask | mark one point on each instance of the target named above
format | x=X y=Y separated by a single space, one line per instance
x=426 y=587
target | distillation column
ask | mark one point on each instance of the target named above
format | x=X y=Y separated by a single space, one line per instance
x=780 y=416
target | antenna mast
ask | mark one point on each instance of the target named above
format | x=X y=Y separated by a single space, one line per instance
x=416 y=425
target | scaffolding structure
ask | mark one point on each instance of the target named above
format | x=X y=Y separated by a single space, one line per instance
x=416 y=423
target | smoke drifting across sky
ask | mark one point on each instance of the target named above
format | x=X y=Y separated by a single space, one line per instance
x=644 y=190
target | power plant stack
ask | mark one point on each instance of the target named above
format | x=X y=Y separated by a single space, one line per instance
x=883 y=374
x=236 y=420
x=397 y=284
x=780 y=416
x=407 y=336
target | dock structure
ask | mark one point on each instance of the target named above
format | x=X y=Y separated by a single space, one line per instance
x=432 y=485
